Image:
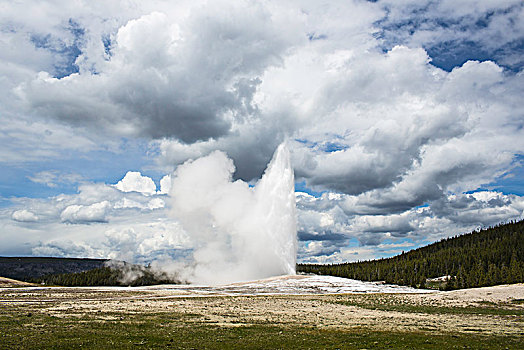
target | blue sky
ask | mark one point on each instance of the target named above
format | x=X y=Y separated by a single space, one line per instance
x=404 y=119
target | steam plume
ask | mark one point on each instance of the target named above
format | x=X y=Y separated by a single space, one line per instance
x=238 y=232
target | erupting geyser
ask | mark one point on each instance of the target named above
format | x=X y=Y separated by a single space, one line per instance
x=239 y=232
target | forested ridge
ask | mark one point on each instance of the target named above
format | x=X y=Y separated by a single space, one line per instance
x=124 y=275
x=80 y=272
x=27 y=268
x=481 y=258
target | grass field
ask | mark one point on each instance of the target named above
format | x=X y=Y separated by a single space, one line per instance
x=71 y=318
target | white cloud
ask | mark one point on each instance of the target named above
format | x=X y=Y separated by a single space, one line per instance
x=448 y=216
x=44 y=177
x=190 y=79
x=82 y=224
x=165 y=184
x=133 y=181
x=26 y=140
x=454 y=29
x=82 y=214
x=24 y=216
x=155 y=203
x=430 y=117
x=52 y=178
x=93 y=203
x=126 y=203
x=202 y=82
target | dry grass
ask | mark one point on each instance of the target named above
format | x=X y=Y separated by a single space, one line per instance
x=484 y=316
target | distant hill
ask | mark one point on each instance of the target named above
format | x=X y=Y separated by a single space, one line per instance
x=28 y=268
x=481 y=258
x=80 y=272
x=115 y=275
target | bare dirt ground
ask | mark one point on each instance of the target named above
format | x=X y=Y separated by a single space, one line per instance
x=9 y=283
x=487 y=311
x=502 y=294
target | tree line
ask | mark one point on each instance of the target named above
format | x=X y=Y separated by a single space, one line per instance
x=481 y=258
x=128 y=275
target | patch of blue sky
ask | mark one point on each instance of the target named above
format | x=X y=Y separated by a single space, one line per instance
x=511 y=55
x=102 y=166
x=325 y=146
x=452 y=50
x=106 y=40
x=16 y=182
x=302 y=187
x=308 y=143
x=510 y=183
x=76 y=29
x=314 y=36
x=333 y=147
x=66 y=54
x=5 y=202
x=450 y=54
x=353 y=243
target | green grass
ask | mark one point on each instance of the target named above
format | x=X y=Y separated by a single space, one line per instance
x=31 y=327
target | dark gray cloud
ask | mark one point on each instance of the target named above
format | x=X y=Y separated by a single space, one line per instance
x=186 y=80
x=482 y=209
x=318 y=249
x=389 y=233
x=322 y=236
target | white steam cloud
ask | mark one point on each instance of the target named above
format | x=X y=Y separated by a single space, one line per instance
x=239 y=232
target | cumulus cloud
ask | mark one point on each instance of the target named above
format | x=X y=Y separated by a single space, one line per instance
x=94 y=203
x=81 y=214
x=357 y=236
x=24 y=216
x=133 y=181
x=456 y=32
x=90 y=224
x=165 y=184
x=324 y=80
x=189 y=77
x=433 y=137
x=137 y=227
